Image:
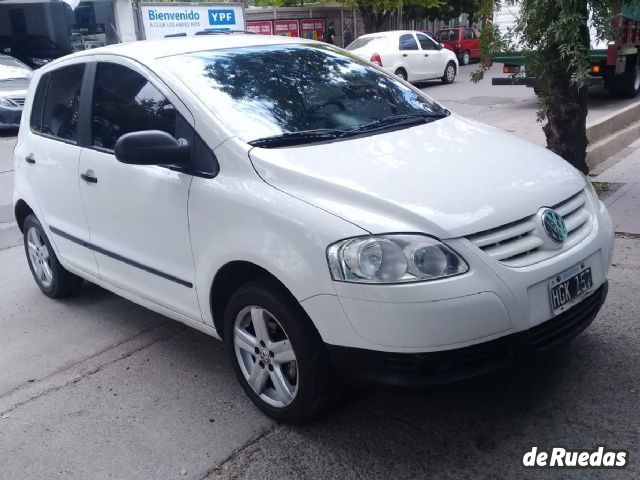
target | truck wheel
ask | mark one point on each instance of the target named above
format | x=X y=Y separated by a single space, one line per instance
x=626 y=85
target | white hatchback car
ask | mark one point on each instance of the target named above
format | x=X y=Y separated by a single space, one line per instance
x=412 y=56
x=325 y=219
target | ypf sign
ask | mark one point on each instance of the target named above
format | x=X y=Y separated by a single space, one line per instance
x=160 y=20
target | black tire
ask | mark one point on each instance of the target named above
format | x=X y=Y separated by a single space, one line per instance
x=447 y=77
x=465 y=59
x=401 y=73
x=317 y=383
x=626 y=85
x=62 y=282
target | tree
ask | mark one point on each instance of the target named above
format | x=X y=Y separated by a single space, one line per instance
x=377 y=13
x=555 y=37
x=445 y=11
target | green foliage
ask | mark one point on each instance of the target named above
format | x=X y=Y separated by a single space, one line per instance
x=445 y=11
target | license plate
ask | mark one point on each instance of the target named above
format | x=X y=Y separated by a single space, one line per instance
x=566 y=288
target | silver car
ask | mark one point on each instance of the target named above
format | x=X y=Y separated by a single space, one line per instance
x=14 y=81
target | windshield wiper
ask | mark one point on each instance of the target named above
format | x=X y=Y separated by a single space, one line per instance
x=403 y=120
x=298 y=138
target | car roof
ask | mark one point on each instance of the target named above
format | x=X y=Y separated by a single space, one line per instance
x=152 y=49
x=390 y=33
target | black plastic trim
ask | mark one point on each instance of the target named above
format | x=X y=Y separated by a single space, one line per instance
x=433 y=368
x=120 y=258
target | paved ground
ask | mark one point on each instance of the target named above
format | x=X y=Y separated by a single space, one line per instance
x=97 y=387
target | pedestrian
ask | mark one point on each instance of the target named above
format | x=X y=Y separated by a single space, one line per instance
x=348 y=36
x=330 y=36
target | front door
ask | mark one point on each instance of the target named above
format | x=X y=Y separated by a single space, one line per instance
x=52 y=154
x=433 y=57
x=138 y=214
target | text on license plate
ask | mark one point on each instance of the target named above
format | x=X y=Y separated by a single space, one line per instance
x=569 y=289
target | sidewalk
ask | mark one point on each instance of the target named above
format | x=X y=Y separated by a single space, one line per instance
x=623 y=201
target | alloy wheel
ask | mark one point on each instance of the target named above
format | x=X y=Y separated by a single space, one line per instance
x=39 y=257
x=265 y=356
x=451 y=73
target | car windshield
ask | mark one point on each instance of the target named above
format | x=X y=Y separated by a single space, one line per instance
x=371 y=42
x=265 y=91
x=12 y=69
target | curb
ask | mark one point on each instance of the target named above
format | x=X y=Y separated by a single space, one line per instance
x=612 y=133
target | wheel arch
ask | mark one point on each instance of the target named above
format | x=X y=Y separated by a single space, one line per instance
x=21 y=211
x=232 y=276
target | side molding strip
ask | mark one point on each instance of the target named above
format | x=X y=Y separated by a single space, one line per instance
x=120 y=258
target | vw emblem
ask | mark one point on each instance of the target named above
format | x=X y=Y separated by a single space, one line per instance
x=554 y=226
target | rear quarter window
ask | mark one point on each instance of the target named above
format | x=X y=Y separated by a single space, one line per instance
x=35 y=117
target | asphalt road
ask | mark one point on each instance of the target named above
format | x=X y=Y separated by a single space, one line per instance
x=97 y=387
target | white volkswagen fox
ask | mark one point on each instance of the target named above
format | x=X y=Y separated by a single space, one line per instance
x=324 y=218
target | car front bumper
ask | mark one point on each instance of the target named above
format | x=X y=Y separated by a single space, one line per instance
x=432 y=368
x=10 y=117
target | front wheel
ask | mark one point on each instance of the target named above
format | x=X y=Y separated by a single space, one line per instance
x=449 y=73
x=277 y=354
x=49 y=274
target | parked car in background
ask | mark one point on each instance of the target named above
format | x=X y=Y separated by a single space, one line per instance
x=463 y=41
x=413 y=56
x=14 y=82
x=33 y=50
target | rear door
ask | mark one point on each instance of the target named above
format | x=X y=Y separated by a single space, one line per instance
x=433 y=57
x=470 y=43
x=138 y=213
x=52 y=154
x=412 y=58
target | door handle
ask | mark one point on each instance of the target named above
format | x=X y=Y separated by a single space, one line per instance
x=426 y=54
x=404 y=55
x=30 y=159
x=89 y=177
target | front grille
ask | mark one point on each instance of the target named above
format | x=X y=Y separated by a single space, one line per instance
x=17 y=100
x=568 y=324
x=520 y=243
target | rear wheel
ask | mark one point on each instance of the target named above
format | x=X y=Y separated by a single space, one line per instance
x=466 y=58
x=449 y=73
x=49 y=274
x=402 y=73
x=626 y=85
x=277 y=354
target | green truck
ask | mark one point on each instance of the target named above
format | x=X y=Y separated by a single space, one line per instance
x=614 y=63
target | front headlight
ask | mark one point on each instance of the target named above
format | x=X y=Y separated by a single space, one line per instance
x=40 y=61
x=393 y=258
x=5 y=102
x=591 y=189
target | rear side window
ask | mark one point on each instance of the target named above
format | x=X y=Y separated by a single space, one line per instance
x=35 y=119
x=124 y=101
x=469 y=35
x=408 y=42
x=62 y=98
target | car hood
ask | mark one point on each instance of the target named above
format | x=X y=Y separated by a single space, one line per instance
x=448 y=178
x=14 y=88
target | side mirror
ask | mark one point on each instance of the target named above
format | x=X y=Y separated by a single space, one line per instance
x=152 y=147
x=440 y=46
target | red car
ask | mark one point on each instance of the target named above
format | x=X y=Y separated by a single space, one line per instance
x=464 y=41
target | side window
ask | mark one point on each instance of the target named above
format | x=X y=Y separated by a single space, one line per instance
x=60 y=110
x=468 y=35
x=407 y=42
x=426 y=43
x=124 y=101
x=35 y=119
